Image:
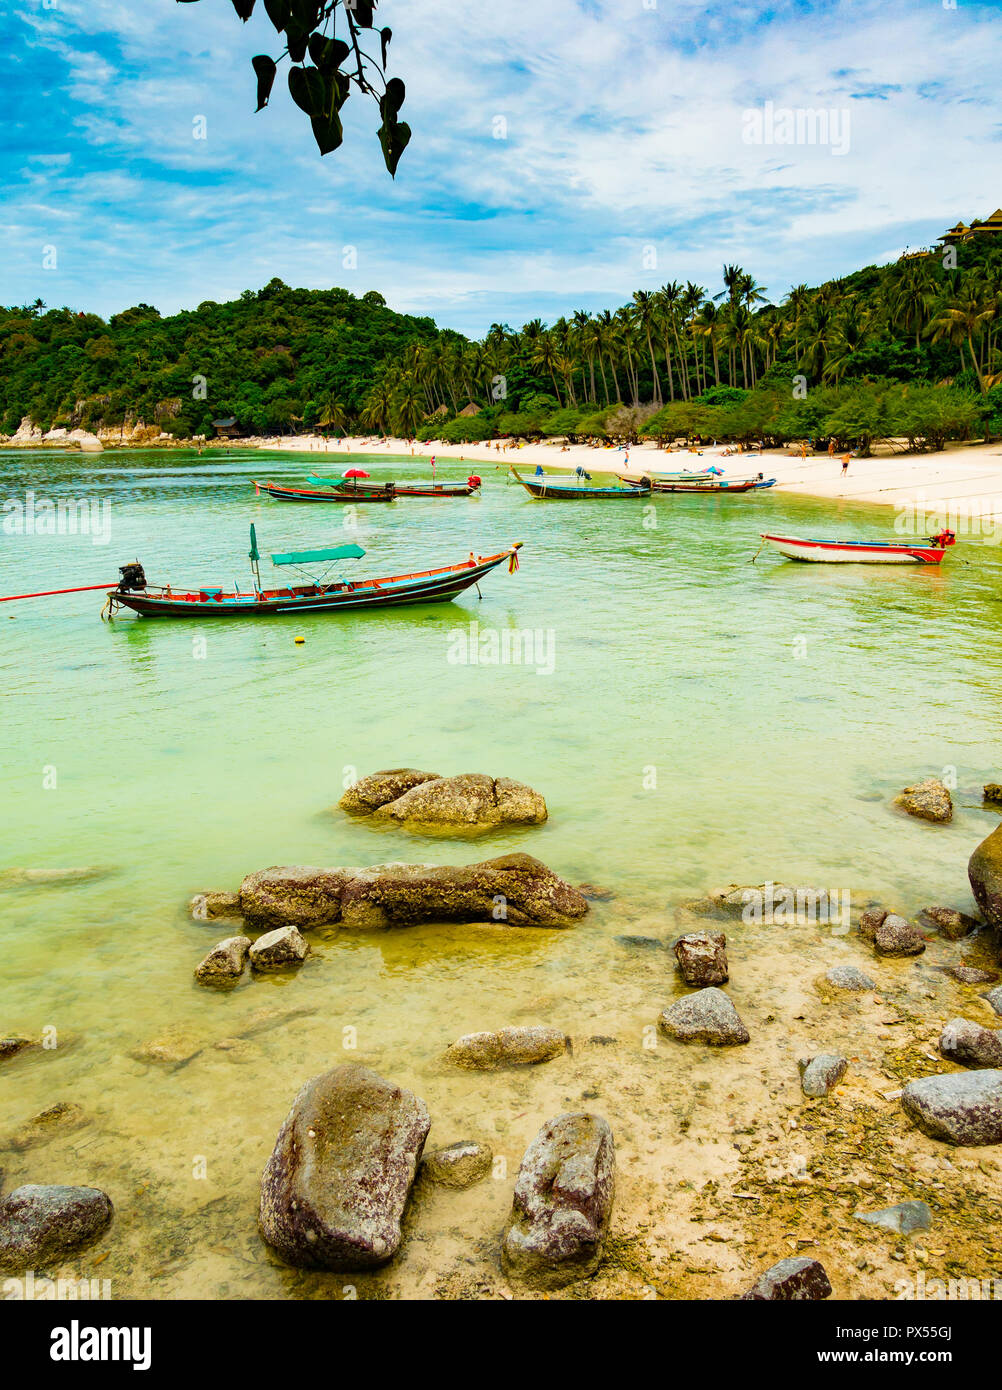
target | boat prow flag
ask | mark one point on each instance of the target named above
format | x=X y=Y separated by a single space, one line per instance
x=312 y=557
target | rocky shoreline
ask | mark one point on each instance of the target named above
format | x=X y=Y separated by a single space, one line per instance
x=345 y=1188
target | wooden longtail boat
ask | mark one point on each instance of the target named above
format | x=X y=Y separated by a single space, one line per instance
x=567 y=490
x=929 y=551
x=384 y=492
x=319 y=596
x=415 y=488
x=698 y=483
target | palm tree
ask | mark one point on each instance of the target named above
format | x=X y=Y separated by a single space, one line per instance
x=960 y=323
x=544 y=354
x=643 y=315
x=798 y=301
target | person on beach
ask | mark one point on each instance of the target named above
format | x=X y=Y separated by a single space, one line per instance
x=845 y=464
x=831 y=448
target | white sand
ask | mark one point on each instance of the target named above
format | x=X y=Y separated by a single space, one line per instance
x=964 y=479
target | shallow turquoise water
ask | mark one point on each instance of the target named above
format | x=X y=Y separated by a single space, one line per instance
x=706 y=720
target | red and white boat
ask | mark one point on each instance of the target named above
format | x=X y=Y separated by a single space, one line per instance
x=929 y=551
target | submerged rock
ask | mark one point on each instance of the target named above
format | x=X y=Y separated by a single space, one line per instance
x=707 y=1017
x=206 y=907
x=984 y=869
x=171 y=1047
x=949 y=922
x=702 y=957
x=14 y=1046
x=48 y=1124
x=971 y=975
x=993 y=792
x=796 y=1279
x=508 y=1047
x=460 y=1165
x=970 y=1044
x=896 y=936
x=371 y=792
x=40 y=1223
x=225 y=962
x=562 y=1203
x=279 y=948
x=336 y=1186
x=928 y=800
x=994 y=997
x=51 y=878
x=513 y=889
x=641 y=943
x=961 y=1107
x=902 y=1219
x=850 y=978
x=819 y=1074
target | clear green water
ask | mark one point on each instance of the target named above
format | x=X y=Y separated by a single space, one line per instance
x=779 y=706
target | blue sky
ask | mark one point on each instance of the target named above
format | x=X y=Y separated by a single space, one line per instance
x=624 y=161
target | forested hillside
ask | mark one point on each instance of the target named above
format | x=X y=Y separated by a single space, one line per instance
x=910 y=349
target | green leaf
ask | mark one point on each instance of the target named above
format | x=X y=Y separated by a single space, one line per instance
x=297 y=39
x=327 y=132
x=361 y=13
x=327 y=54
x=384 y=38
x=244 y=8
x=394 y=98
x=279 y=12
x=394 y=137
x=308 y=90
x=266 y=70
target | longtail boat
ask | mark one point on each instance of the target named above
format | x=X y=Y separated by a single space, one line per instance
x=573 y=490
x=409 y=488
x=383 y=492
x=699 y=483
x=929 y=551
x=320 y=595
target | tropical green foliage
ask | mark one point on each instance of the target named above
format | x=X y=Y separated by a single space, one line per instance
x=332 y=35
x=675 y=361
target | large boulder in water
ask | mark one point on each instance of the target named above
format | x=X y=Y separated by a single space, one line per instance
x=368 y=794
x=928 y=800
x=708 y=1016
x=961 y=1107
x=300 y=896
x=471 y=801
x=336 y=1186
x=562 y=1203
x=984 y=869
x=514 y=889
x=39 y=1224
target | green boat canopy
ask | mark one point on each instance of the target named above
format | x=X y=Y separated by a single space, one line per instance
x=313 y=557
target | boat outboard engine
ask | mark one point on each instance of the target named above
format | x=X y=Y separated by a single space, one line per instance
x=133 y=578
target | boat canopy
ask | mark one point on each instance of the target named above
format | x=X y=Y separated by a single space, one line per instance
x=312 y=557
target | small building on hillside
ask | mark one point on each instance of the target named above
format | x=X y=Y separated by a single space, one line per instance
x=226 y=429
x=469 y=410
x=992 y=226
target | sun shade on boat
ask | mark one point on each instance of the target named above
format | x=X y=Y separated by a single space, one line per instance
x=312 y=557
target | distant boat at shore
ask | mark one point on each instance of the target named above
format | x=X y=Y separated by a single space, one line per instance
x=576 y=488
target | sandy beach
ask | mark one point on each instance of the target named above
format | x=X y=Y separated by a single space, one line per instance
x=964 y=480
